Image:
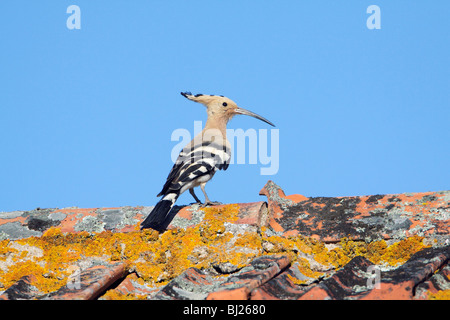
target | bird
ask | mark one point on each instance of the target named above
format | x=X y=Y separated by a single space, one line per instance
x=200 y=159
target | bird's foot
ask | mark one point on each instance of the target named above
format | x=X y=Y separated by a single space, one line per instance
x=210 y=203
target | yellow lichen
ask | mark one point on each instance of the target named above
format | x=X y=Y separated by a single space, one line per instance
x=399 y=252
x=158 y=258
x=250 y=240
x=295 y=280
x=46 y=280
x=440 y=295
x=378 y=251
x=115 y=295
x=304 y=267
x=5 y=250
x=213 y=222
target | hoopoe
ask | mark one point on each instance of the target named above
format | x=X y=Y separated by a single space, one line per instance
x=199 y=160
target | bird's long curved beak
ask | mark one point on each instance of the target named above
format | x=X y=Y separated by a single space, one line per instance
x=252 y=114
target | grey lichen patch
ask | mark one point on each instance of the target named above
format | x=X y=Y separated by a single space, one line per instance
x=197 y=217
x=186 y=290
x=58 y=216
x=197 y=284
x=420 y=230
x=425 y=199
x=359 y=289
x=442 y=282
x=360 y=229
x=11 y=258
x=116 y=219
x=11 y=215
x=394 y=221
x=199 y=254
x=35 y=220
x=273 y=191
x=441 y=214
x=225 y=268
x=239 y=229
x=445 y=196
x=111 y=218
x=129 y=216
x=270 y=232
x=90 y=224
x=145 y=211
x=182 y=287
x=15 y=230
x=3 y=236
x=88 y=262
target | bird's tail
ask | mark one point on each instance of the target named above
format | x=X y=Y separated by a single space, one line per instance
x=157 y=219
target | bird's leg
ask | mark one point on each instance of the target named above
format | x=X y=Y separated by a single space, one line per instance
x=197 y=200
x=207 y=201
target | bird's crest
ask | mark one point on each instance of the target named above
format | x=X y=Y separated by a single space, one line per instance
x=221 y=107
x=201 y=98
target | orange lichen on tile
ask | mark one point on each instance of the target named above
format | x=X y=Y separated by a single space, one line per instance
x=399 y=252
x=377 y=251
x=158 y=258
x=440 y=295
x=115 y=295
x=4 y=250
x=305 y=268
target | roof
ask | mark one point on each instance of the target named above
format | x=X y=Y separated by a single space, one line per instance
x=286 y=248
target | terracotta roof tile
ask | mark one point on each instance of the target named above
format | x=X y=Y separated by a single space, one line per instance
x=200 y=284
x=361 y=217
x=90 y=283
x=290 y=248
x=21 y=290
x=401 y=283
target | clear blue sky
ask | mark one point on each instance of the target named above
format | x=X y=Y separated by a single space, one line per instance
x=86 y=115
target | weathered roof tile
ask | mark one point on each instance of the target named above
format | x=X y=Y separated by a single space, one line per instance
x=90 y=283
x=360 y=217
x=292 y=247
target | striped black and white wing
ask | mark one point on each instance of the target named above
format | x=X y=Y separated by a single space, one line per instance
x=195 y=164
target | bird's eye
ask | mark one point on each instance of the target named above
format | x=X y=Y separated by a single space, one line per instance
x=224 y=104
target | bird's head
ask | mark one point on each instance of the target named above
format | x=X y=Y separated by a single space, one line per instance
x=221 y=107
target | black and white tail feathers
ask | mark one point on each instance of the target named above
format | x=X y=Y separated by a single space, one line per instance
x=158 y=218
